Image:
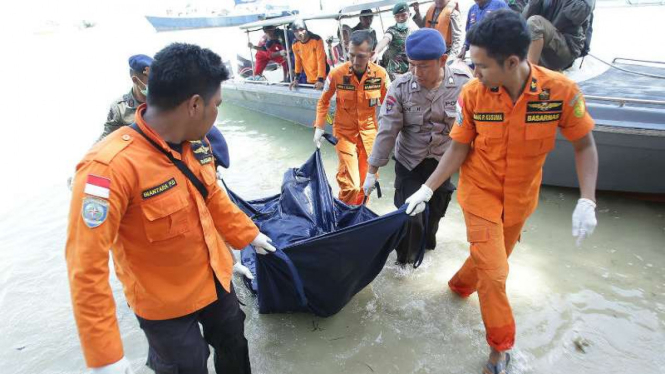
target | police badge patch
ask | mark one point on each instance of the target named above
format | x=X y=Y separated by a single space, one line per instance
x=94 y=211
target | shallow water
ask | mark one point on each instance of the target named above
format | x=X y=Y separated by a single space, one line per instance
x=609 y=294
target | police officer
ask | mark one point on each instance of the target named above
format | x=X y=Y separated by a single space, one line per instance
x=149 y=192
x=361 y=87
x=506 y=125
x=415 y=120
x=122 y=109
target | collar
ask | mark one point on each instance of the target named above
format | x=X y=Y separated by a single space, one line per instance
x=152 y=134
x=532 y=86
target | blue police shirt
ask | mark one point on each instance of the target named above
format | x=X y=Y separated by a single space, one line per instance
x=476 y=14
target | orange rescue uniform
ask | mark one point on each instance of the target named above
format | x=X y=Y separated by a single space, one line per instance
x=442 y=23
x=355 y=124
x=311 y=58
x=168 y=243
x=500 y=179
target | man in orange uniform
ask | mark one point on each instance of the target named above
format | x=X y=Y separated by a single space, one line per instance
x=361 y=87
x=149 y=192
x=310 y=57
x=506 y=126
x=444 y=16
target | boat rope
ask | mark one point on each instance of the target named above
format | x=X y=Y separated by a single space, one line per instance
x=627 y=70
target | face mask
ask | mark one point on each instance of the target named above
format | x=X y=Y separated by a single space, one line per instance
x=144 y=90
x=402 y=25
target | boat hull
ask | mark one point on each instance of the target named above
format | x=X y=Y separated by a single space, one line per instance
x=630 y=141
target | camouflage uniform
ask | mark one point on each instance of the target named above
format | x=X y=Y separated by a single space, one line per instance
x=394 y=59
x=121 y=113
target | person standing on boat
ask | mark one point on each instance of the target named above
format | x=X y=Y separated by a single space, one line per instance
x=478 y=11
x=361 y=87
x=394 y=59
x=168 y=223
x=310 y=56
x=559 y=31
x=121 y=112
x=445 y=17
x=507 y=121
x=271 y=47
x=415 y=121
x=339 y=55
x=366 y=18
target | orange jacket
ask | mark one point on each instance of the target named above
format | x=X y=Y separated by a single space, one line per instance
x=167 y=242
x=502 y=173
x=443 y=22
x=311 y=58
x=357 y=102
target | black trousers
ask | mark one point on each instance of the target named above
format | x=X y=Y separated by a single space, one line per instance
x=177 y=347
x=407 y=182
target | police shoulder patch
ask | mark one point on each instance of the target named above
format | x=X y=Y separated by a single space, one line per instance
x=94 y=211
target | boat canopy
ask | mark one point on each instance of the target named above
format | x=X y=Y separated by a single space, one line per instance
x=346 y=12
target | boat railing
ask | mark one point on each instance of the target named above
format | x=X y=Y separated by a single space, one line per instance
x=623 y=101
x=283 y=84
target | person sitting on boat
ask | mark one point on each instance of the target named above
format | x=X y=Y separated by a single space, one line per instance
x=507 y=123
x=361 y=87
x=310 y=57
x=395 y=60
x=366 y=19
x=270 y=48
x=338 y=54
x=478 y=11
x=445 y=17
x=415 y=121
x=558 y=31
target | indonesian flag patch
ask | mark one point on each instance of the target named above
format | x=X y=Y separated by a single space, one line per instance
x=98 y=186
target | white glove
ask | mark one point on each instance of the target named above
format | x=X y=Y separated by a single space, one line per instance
x=417 y=200
x=318 y=134
x=120 y=367
x=262 y=244
x=283 y=53
x=370 y=183
x=584 y=219
x=241 y=269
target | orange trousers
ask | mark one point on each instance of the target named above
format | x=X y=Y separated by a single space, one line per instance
x=486 y=271
x=351 y=170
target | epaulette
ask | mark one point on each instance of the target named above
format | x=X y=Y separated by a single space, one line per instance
x=403 y=79
x=112 y=147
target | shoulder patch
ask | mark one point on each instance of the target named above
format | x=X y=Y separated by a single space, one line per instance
x=112 y=148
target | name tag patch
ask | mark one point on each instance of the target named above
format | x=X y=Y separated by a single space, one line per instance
x=154 y=191
x=346 y=87
x=540 y=118
x=488 y=117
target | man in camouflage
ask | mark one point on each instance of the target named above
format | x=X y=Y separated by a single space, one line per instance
x=123 y=108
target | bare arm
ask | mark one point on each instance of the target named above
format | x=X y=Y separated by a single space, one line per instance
x=450 y=163
x=586 y=163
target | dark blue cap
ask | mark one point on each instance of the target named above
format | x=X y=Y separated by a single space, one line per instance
x=220 y=150
x=425 y=44
x=138 y=63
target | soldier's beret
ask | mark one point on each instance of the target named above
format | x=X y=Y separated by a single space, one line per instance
x=138 y=63
x=425 y=44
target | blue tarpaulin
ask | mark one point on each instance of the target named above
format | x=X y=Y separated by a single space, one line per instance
x=327 y=251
